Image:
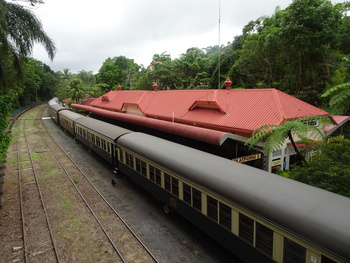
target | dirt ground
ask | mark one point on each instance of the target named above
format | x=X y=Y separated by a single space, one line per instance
x=168 y=236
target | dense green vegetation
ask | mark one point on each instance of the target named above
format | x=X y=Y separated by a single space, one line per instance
x=303 y=50
x=329 y=167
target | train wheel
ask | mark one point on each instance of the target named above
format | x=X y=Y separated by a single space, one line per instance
x=167 y=209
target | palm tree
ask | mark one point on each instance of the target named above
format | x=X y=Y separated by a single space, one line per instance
x=275 y=135
x=20 y=29
x=66 y=73
x=340 y=99
x=77 y=91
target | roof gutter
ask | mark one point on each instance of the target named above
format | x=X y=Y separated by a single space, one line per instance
x=196 y=133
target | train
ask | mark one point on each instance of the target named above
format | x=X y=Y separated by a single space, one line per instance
x=256 y=215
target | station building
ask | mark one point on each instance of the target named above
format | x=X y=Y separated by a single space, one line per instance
x=218 y=121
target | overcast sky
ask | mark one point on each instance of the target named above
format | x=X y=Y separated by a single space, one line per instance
x=87 y=32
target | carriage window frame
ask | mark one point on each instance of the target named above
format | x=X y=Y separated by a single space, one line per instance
x=246 y=228
x=293 y=252
x=212 y=208
x=187 y=195
x=225 y=216
x=264 y=239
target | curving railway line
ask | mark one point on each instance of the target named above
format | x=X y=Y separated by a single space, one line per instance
x=39 y=242
x=36 y=238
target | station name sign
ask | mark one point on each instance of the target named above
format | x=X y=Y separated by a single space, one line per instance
x=247 y=158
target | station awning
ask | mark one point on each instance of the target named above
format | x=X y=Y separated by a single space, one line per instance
x=196 y=133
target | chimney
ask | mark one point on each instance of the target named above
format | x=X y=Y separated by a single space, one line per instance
x=155 y=86
x=119 y=87
x=228 y=83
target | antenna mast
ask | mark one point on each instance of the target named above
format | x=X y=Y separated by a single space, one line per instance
x=219 y=73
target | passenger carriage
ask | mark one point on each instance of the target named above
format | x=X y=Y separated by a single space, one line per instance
x=259 y=216
x=99 y=136
x=54 y=109
x=67 y=120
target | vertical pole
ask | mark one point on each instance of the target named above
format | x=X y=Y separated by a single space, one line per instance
x=219 y=69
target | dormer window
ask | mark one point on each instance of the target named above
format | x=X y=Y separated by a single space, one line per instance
x=207 y=105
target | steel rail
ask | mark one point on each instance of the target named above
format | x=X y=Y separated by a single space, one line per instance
x=25 y=256
x=40 y=197
x=99 y=193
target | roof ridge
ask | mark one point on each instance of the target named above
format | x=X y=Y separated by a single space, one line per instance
x=279 y=105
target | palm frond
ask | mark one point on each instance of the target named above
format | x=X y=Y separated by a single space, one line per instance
x=335 y=89
x=25 y=29
x=274 y=136
x=260 y=134
x=340 y=98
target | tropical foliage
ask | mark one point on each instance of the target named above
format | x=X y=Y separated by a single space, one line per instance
x=19 y=31
x=303 y=50
x=328 y=167
x=274 y=136
x=339 y=97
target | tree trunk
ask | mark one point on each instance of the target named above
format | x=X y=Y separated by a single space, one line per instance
x=300 y=157
x=300 y=75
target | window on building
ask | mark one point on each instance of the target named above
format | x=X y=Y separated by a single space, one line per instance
x=264 y=239
x=225 y=216
x=212 y=208
x=293 y=252
x=246 y=228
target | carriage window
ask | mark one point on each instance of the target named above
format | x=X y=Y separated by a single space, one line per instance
x=155 y=175
x=121 y=156
x=264 y=239
x=246 y=228
x=212 y=207
x=225 y=216
x=158 y=177
x=324 y=259
x=151 y=173
x=293 y=252
x=129 y=160
x=103 y=144
x=175 y=186
x=167 y=182
x=143 y=168
x=138 y=165
x=197 y=199
x=187 y=193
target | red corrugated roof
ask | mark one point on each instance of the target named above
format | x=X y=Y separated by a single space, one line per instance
x=238 y=111
x=338 y=122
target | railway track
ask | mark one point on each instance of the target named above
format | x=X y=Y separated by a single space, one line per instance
x=37 y=237
x=45 y=244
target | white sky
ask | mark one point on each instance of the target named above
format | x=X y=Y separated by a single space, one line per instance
x=87 y=32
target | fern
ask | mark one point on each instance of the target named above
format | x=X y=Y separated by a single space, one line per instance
x=335 y=89
x=274 y=136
